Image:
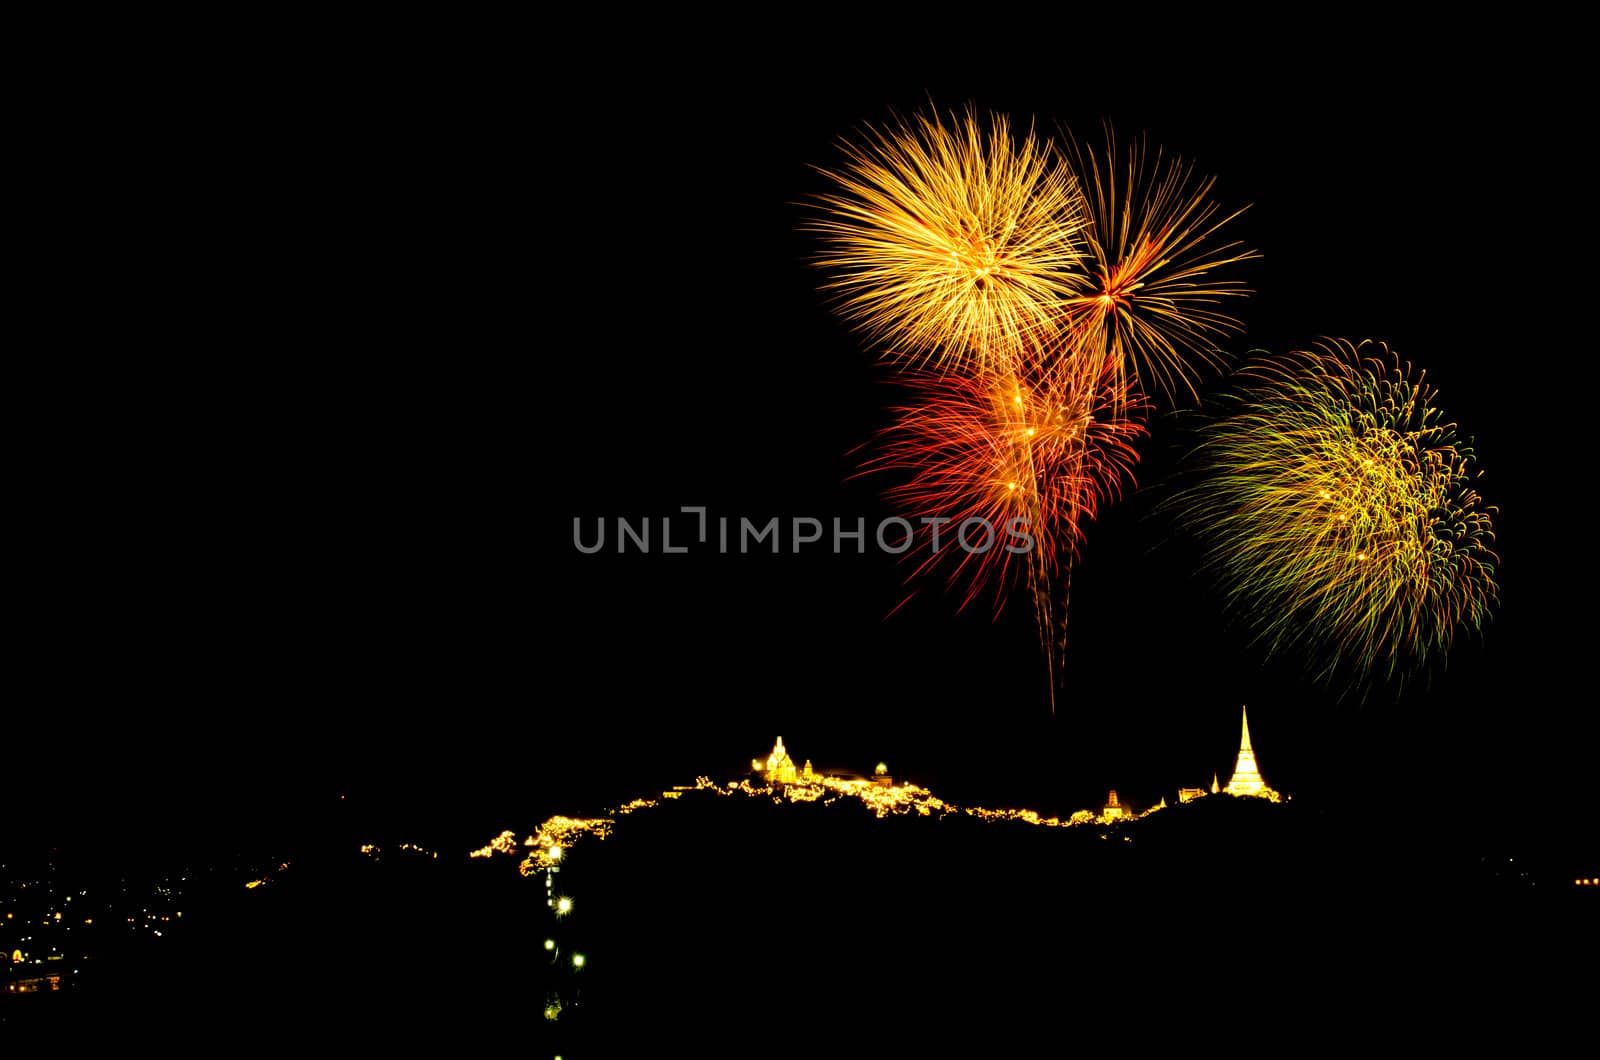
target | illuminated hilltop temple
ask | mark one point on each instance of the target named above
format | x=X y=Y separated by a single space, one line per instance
x=1246 y=779
x=779 y=767
x=776 y=774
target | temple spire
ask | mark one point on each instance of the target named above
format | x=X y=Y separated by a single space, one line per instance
x=1246 y=779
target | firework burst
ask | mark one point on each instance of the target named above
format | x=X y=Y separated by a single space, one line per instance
x=1037 y=297
x=1341 y=512
x=1154 y=307
x=957 y=242
x=1014 y=465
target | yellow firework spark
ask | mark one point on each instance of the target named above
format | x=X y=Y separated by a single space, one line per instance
x=952 y=242
x=1154 y=308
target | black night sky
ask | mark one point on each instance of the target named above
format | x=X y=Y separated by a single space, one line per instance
x=335 y=358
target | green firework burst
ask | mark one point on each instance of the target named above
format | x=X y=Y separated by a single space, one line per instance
x=1339 y=511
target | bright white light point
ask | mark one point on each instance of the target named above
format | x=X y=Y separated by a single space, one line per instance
x=564 y=905
x=549 y=944
x=555 y=853
x=1030 y=432
x=578 y=959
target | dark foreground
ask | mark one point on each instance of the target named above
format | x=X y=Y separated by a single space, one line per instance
x=739 y=927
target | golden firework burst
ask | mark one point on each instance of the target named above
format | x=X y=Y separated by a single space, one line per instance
x=954 y=242
x=1155 y=306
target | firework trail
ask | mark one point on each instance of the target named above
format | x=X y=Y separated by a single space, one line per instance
x=1153 y=308
x=1340 y=513
x=1018 y=461
x=956 y=243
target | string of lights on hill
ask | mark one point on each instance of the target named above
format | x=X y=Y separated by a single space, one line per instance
x=776 y=778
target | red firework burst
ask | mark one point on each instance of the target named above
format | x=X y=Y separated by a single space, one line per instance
x=1003 y=472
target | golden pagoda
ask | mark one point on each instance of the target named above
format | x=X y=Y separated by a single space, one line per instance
x=1246 y=779
x=779 y=766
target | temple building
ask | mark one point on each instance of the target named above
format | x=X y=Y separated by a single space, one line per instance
x=779 y=767
x=1246 y=779
x=1114 y=810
